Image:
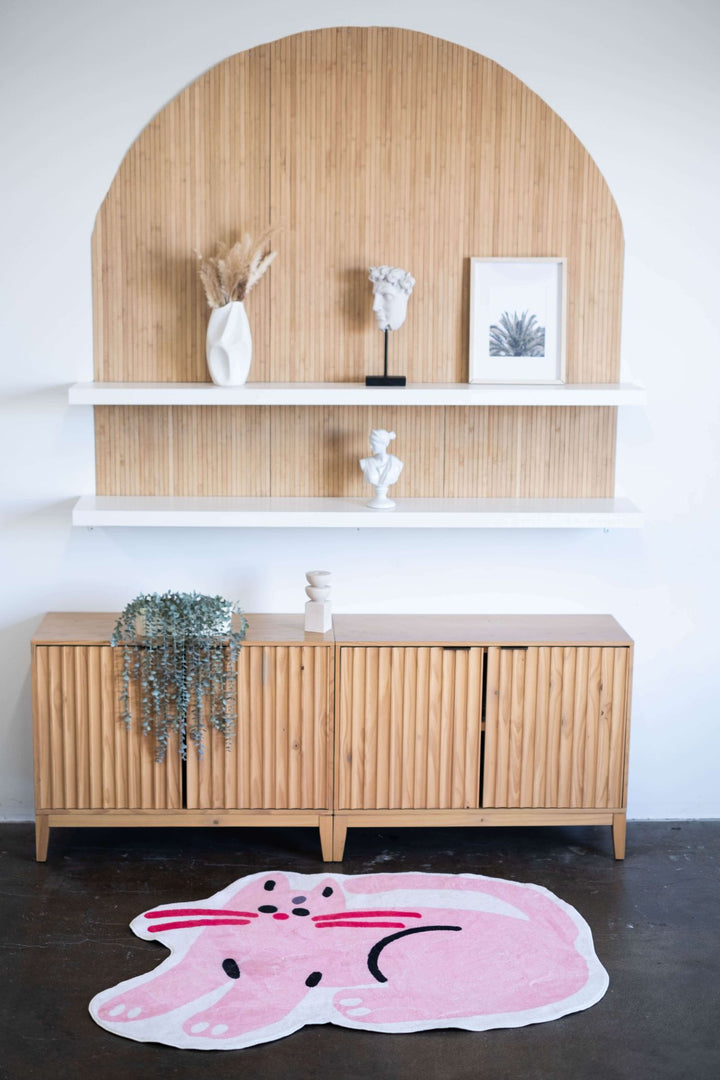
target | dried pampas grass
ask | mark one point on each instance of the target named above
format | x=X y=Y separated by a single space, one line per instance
x=232 y=272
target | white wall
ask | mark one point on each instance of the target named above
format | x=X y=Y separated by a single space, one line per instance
x=638 y=84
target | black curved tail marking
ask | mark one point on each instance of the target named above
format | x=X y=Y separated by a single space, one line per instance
x=374 y=954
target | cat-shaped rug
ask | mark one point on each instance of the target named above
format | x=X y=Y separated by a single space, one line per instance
x=382 y=952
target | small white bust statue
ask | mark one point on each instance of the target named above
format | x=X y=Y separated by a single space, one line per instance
x=391 y=289
x=382 y=469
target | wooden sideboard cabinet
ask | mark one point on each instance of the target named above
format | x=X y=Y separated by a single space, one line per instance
x=384 y=721
x=90 y=770
x=481 y=720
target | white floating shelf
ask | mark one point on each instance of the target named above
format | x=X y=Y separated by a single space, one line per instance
x=215 y=512
x=568 y=394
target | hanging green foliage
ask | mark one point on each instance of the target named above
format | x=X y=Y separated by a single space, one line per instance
x=179 y=666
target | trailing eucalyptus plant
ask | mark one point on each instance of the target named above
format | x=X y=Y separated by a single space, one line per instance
x=179 y=666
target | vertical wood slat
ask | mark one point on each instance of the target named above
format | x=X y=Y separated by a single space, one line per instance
x=69 y=727
x=280 y=766
x=97 y=730
x=414 y=753
x=517 y=716
x=395 y=723
x=420 y=734
x=279 y=757
x=295 y=704
x=368 y=724
x=579 y=726
x=556 y=723
x=490 y=793
x=88 y=759
x=323 y=725
x=565 y=763
x=410 y=715
x=358 y=724
x=618 y=708
x=42 y=727
x=267 y=749
x=469 y=702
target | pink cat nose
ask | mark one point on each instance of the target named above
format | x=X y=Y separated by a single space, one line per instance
x=280 y=915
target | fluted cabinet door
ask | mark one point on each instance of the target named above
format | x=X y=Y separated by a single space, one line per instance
x=85 y=756
x=280 y=755
x=409 y=727
x=555 y=727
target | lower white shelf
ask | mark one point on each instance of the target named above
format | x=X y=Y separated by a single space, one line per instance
x=326 y=513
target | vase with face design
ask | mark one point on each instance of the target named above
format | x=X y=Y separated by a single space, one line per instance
x=228 y=347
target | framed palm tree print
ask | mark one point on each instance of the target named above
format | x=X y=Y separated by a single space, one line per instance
x=517 y=320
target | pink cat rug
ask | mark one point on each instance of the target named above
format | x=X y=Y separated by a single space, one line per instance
x=382 y=952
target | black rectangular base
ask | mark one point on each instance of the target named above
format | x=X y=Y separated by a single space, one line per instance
x=385 y=380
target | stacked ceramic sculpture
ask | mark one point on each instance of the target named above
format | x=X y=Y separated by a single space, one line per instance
x=318 y=617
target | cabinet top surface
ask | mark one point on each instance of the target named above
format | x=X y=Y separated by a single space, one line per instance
x=95 y=628
x=479 y=629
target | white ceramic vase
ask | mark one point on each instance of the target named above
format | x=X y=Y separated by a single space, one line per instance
x=228 y=347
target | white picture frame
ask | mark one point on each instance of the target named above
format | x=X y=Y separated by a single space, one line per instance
x=517 y=304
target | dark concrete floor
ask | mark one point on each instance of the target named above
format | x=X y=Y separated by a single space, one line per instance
x=655 y=918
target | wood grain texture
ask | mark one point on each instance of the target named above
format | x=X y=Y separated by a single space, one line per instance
x=197 y=174
x=464 y=629
x=193 y=450
x=280 y=755
x=556 y=727
x=315 y=450
x=363 y=146
x=529 y=452
x=95 y=628
x=408 y=728
x=85 y=757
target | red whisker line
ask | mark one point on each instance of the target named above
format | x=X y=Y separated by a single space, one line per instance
x=200 y=911
x=361 y=914
x=332 y=925
x=192 y=923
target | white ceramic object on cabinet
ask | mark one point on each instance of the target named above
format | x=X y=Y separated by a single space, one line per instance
x=318 y=614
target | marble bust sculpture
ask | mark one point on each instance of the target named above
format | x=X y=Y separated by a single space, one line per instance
x=382 y=469
x=391 y=290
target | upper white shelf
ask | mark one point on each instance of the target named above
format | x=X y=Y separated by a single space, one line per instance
x=346 y=513
x=149 y=393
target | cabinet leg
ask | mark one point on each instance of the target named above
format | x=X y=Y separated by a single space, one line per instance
x=619 y=828
x=339 y=835
x=42 y=837
x=326 y=837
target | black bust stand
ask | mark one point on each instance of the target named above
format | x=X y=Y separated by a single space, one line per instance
x=385 y=379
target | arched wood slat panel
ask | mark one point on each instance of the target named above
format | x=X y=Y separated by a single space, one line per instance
x=362 y=145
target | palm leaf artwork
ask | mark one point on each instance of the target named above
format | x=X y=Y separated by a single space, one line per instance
x=517 y=335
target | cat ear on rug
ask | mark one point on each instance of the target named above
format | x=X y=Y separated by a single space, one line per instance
x=396 y=953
